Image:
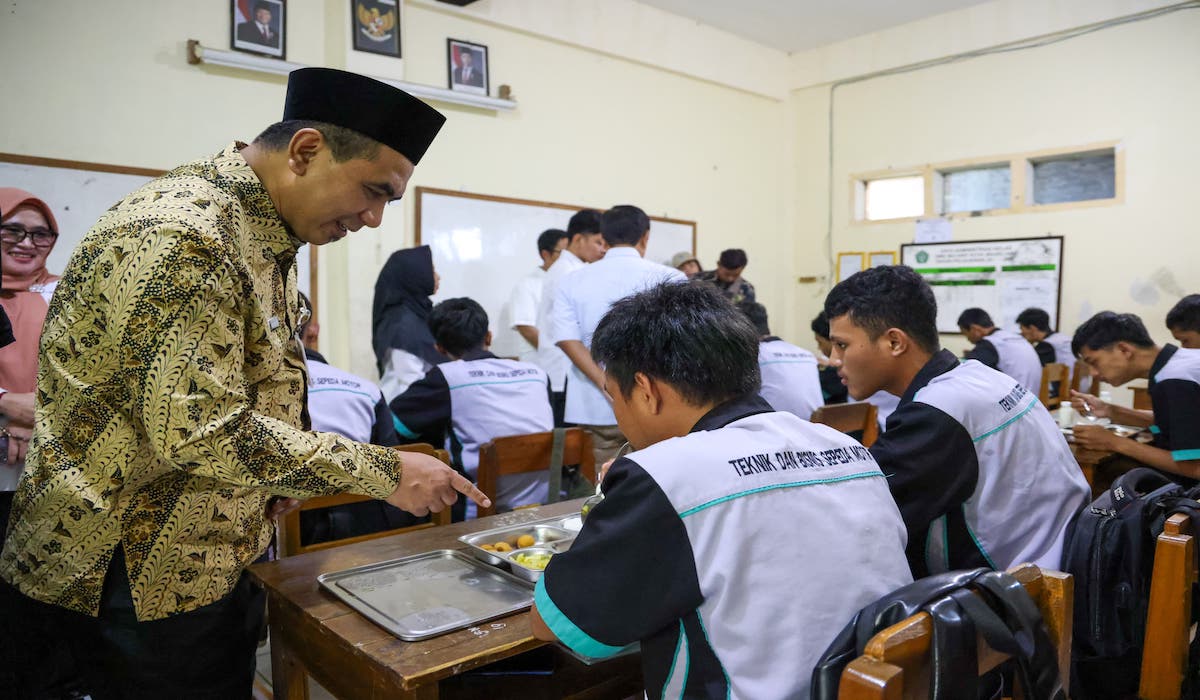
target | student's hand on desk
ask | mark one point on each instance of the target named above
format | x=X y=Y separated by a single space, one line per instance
x=18 y=407
x=1095 y=437
x=1085 y=403
x=427 y=484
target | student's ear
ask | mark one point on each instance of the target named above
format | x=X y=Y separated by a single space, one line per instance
x=646 y=392
x=303 y=148
x=897 y=341
x=487 y=340
x=643 y=242
x=439 y=348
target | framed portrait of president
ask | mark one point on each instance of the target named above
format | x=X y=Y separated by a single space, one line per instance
x=376 y=26
x=467 y=64
x=259 y=26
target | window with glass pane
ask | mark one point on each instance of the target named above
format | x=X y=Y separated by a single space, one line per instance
x=895 y=198
x=1075 y=178
x=977 y=189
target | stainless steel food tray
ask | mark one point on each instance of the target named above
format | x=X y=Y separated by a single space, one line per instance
x=544 y=533
x=428 y=594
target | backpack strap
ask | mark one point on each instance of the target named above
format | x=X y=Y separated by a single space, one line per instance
x=1036 y=659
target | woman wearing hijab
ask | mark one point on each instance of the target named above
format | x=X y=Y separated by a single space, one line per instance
x=28 y=232
x=404 y=346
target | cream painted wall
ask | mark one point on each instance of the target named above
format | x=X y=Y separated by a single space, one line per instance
x=590 y=127
x=1138 y=84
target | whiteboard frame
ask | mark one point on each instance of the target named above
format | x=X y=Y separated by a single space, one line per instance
x=17 y=159
x=1062 y=252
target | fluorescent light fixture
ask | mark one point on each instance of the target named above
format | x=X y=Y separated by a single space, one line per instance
x=234 y=59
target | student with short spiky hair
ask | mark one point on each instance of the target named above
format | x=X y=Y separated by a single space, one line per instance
x=735 y=541
x=1118 y=349
x=1183 y=320
x=1000 y=348
x=981 y=473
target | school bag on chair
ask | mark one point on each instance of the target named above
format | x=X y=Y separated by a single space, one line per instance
x=961 y=604
x=1110 y=552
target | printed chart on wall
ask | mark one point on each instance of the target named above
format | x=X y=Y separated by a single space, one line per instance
x=1002 y=277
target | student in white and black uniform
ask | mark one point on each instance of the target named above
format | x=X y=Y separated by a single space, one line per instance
x=1050 y=346
x=790 y=381
x=736 y=541
x=476 y=397
x=981 y=473
x=1118 y=349
x=1001 y=349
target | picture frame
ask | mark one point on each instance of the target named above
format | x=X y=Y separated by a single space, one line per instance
x=881 y=257
x=473 y=78
x=375 y=25
x=259 y=27
x=850 y=263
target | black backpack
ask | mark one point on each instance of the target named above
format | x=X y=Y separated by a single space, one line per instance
x=961 y=603
x=1110 y=552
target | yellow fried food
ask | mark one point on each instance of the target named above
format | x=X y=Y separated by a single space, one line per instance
x=488 y=547
x=502 y=547
x=532 y=560
x=526 y=541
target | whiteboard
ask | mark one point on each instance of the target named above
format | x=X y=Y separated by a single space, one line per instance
x=483 y=246
x=78 y=193
x=1002 y=277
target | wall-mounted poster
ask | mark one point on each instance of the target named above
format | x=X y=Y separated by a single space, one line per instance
x=376 y=26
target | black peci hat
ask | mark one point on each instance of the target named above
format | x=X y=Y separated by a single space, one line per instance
x=374 y=109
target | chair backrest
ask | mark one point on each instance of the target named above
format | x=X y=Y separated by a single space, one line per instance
x=519 y=454
x=1168 y=617
x=1054 y=372
x=287 y=529
x=1082 y=370
x=1141 y=398
x=851 y=417
x=896 y=662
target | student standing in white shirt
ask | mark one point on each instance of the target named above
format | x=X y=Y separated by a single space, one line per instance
x=584 y=245
x=582 y=298
x=526 y=297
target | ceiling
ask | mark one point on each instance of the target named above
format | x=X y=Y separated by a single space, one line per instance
x=797 y=25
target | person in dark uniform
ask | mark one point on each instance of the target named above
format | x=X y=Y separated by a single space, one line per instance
x=679 y=553
x=1001 y=349
x=981 y=473
x=832 y=388
x=1050 y=345
x=1118 y=349
x=790 y=381
x=473 y=398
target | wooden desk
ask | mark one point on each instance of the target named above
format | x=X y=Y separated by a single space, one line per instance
x=1101 y=467
x=315 y=633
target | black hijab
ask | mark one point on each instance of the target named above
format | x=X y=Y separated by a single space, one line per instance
x=400 y=312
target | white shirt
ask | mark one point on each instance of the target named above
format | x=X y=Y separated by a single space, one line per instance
x=789 y=378
x=581 y=299
x=550 y=358
x=522 y=310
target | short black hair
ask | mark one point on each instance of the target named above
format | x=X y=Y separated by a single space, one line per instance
x=344 y=144
x=687 y=335
x=1038 y=318
x=820 y=325
x=583 y=221
x=459 y=325
x=757 y=314
x=887 y=296
x=263 y=5
x=624 y=224
x=1185 y=316
x=975 y=316
x=732 y=259
x=1106 y=328
x=548 y=240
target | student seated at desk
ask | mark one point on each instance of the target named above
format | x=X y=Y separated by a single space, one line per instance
x=789 y=374
x=1118 y=349
x=736 y=541
x=832 y=388
x=1183 y=320
x=981 y=473
x=1001 y=349
x=476 y=397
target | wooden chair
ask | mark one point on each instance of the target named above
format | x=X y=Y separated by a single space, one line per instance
x=1168 y=618
x=849 y=418
x=1054 y=372
x=520 y=454
x=896 y=661
x=287 y=532
x=1141 y=398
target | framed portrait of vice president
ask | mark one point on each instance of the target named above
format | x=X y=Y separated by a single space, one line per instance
x=259 y=26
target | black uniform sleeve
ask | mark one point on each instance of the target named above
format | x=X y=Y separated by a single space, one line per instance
x=629 y=574
x=422 y=412
x=1177 y=415
x=931 y=469
x=986 y=353
x=1045 y=352
x=832 y=389
x=383 y=430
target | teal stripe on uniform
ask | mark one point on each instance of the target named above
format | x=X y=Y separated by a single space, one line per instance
x=975 y=539
x=345 y=391
x=772 y=487
x=1155 y=430
x=1007 y=423
x=567 y=632
x=511 y=381
x=680 y=646
x=403 y=429
x=1185 y=455
x=728 y=684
